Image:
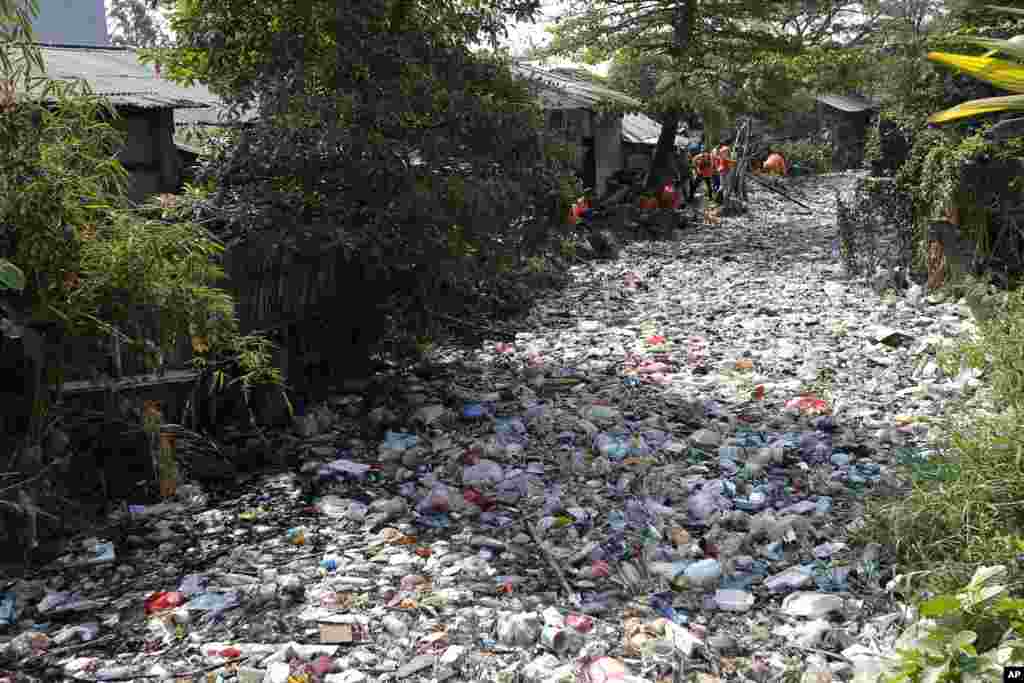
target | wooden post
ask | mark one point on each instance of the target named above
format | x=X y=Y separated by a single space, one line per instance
x=116 y=366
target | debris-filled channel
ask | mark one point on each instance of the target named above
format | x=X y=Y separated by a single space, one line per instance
x=656 y=480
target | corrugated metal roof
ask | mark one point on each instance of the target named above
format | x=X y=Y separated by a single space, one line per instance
x=643 y=130
x=847 y=103
x=211 y=116
x=117 y=74
x=562 y=91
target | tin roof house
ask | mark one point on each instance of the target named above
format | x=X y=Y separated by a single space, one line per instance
x=605 y=143
x=145 y=105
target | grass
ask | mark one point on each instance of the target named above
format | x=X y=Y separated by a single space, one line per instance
x=965 y=504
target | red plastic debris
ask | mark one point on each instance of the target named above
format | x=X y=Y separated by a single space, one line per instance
x=480 y=500
x=580 y=622
x=163 y=600
x=808 y=405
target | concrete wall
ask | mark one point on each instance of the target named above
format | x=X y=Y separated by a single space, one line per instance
x=71 y=22
x=607 y=148
x=149 y=154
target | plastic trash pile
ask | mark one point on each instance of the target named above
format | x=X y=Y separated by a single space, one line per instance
x=646 y=480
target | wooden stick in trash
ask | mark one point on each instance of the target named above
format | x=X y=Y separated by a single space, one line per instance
x=778 y=191
x=551 y=561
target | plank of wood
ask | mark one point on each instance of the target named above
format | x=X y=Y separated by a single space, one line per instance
x=128 y=383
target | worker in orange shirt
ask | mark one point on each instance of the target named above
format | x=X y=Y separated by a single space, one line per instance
x=704 y=168
x=724 y=165
x=775 y=164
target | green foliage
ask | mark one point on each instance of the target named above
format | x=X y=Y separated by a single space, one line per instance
x=700 y=52
x=51 y=158
x=810 y=154
x=135 y=24
x=638 y=73
x=243 y=360
x=18 y=58
x=95 y=265
x=380 y=135
x=784 y=82
x=997 y=347
x=132 y=266
x=12 y=279
x=85 y=260
x=956 y=515
x=932 y=177
x=960 y=636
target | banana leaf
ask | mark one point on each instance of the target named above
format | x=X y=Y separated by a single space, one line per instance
x=998 y=72
x=1010 y=47
x=985 y=105
x=1008 y=10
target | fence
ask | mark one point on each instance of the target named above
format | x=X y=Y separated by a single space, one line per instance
x=318 y=304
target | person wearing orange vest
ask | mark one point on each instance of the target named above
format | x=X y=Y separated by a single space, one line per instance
x=724 y=164
x=704 y=168
x=775 y=164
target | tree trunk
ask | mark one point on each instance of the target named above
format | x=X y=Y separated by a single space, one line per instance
x=663 y=166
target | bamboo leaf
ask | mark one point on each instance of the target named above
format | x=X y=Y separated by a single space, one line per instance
x=985 y=105
x=998 y=72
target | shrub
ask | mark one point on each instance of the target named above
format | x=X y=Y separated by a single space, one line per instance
x=967 y=635
x=386 y=141
x=960 y=511
x=91 y=263
x=809 y=154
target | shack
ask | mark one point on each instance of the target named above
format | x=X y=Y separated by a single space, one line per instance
x=145 y=105
x=640 y=135
x=571 y=100
x=844 y=120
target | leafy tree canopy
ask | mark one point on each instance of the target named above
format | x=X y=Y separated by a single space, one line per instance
x=135 y=23
x=383 y=128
